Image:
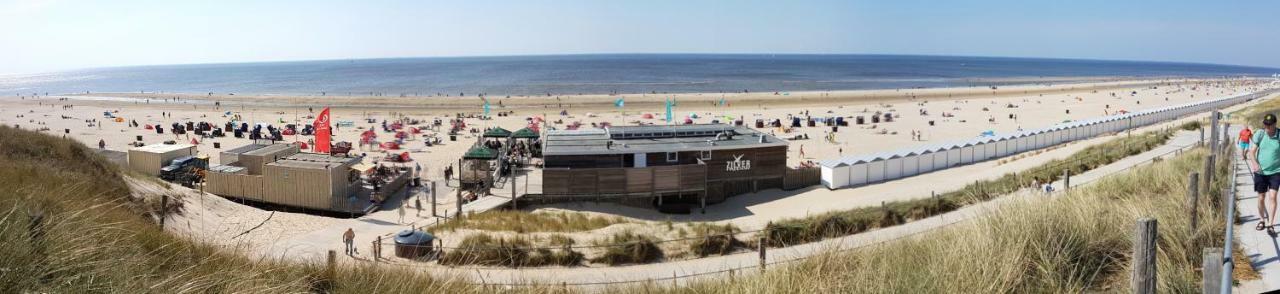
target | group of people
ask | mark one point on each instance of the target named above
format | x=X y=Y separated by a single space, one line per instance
x=1262 y=153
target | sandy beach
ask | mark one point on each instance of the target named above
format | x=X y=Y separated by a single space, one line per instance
x=967 y=113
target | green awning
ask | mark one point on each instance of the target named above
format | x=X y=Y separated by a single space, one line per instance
x=525 y=133
x=497 y=132
x=480 y=152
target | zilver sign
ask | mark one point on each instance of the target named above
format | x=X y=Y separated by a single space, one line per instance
x=737 y=164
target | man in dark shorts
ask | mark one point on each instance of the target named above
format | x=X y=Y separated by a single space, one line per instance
x=1264 y=153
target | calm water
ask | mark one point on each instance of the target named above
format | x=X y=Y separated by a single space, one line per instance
x=596 y=74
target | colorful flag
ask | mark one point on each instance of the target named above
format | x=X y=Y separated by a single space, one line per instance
x=486 y=107
x=669 y=104
x=322 y=131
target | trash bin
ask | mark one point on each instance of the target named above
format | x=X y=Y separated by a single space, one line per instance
x=217 y=145
x=413 y=243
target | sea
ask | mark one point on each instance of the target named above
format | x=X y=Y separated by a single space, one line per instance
x=600 y=74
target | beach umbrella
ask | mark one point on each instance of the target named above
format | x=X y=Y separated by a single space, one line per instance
x=647 y=116
x=619 y=103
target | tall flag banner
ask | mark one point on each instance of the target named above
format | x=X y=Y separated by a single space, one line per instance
x=619 y=103
x=322 y=131
x=669 y=110
x=486 y=107
x=723 y=102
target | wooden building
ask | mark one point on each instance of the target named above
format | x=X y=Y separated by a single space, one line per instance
x=303 y=180
x=149 y=159
x=700 y=164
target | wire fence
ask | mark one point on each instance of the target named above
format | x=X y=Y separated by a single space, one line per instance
x=950 y=218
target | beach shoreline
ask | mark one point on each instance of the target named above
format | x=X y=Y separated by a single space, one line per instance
x=608 y=101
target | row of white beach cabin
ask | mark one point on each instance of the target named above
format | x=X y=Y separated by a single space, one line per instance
x=868 y=169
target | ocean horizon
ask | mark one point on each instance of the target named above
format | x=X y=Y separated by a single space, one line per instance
x=602 y=74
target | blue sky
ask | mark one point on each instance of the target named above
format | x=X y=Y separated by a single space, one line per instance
x=51 y=35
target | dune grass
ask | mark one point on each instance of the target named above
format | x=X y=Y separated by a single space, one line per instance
x=526 y=222
x=514 y=251
x=1078 y=242
x=628 y=247
x=788 y=232
x=94 y=238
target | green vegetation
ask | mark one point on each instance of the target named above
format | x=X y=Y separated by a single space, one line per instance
x=1079 y=242
x=516 y=251
x=716 y=240
x=628 y=248
x=1191 y=125
x=847 y=222
x=1253 y=114
x=94 y=238
x=525 y=222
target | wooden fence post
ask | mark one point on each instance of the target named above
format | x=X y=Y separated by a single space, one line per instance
x=1193 y=199
x=330 y=270
x=433 y=199
x=1208 y=174
x=377 y=248
x=1213 y=132
x=1066 y=179
x=1211 y=275
x=763 y=250
x=164 y=202
x=458 y=201
x=1143 y=278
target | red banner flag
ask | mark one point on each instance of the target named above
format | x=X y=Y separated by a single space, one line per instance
x=322 y=131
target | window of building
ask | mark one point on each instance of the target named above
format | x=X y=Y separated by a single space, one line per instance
x=705 y=155
x=673 y=157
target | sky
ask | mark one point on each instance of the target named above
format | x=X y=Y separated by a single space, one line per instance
x=55 y=35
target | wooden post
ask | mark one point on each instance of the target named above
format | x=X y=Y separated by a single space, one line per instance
x=1213 y=132
x=377 y=248
x=512 y=182
x=1193 y=199
x=1208 y=173
x=433 y=199
x=330 y=270
x=164 y=201
x=763 y=251
x=1143 y=278
x=1211 y=275
x=458 y=201
x=1066 y=179
x=704 y=201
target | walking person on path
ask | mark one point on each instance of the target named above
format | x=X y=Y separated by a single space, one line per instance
x=400 y=208
x=1245 y=136
x=349 y=239
x=1265 y=163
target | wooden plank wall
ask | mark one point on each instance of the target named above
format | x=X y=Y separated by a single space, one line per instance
x=595 y=181
x=797 y=178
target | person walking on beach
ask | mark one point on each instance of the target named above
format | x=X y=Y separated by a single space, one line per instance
x=400 y=209
x=1265 y=164
x=1245 y=136
x=349 y=239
